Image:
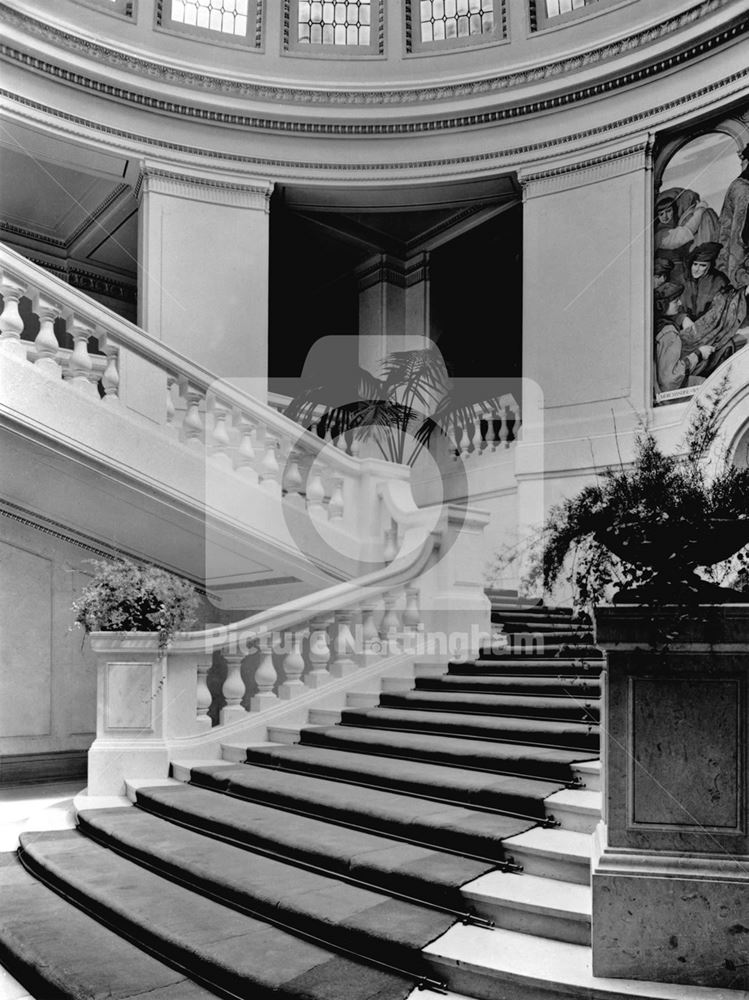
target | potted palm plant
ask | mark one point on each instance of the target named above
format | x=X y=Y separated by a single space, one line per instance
x=412 y=403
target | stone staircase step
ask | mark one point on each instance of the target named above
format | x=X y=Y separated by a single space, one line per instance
x=236 y=752
x=534 y=706
x=443 y=826
x=553 y=854
x=533 y=905
x=573 y=735
x=55 y=949
x=549 y=666
x=577 y=809
x=499 y=963
x=324 y=717
x=369 y=699
x=548 y=763
x=373 y=859
x=358 y=918
x=209 y=940
x=523 y=796
x=574 y=686
x=589 y=773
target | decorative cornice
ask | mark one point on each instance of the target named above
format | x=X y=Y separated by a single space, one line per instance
x=155 y=179
x=383 y=97
x=66 y=244
x=560 y=178
x=477 y=161
x=82 y=541
x=387 y=269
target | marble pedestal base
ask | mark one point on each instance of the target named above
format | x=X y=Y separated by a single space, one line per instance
x=670 y=873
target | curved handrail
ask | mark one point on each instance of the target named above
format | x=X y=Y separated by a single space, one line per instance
x=421 y=538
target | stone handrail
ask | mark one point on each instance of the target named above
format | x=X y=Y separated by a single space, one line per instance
x=146 y=380
x=149 y=700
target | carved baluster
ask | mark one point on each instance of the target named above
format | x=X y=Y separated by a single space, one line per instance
x=265 y=676
x=495 y=427
x=11 y=324
x=319 y=654
x=220 y=442
x=171 y=410
x=391 y=622
x=458 y=437
x=412 y=614
x=46 y=346
x=110 y=379
x=503 y=427
x=316 y=493
x=514 y=416
x=80 y=364
x=244 y=459
x=292 y=479
x=203 y=695
x=293 y=668
x=192 y=425
x=344 y=645
x=335 y=507
x=233 y=689
x=270 y=473
x=370 y=635
x=469 y=432
x=355 y=446
x=391 y=542
x=484 y=429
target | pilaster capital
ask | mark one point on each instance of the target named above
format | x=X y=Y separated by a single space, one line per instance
x=214 y=186
x=564 y=175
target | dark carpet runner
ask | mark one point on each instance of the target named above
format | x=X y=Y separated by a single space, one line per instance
x=316 y=871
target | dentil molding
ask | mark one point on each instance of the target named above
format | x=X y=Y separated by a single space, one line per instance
x=563 y=177
x=155 y=178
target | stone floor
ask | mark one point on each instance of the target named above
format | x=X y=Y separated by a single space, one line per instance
x=32 y=807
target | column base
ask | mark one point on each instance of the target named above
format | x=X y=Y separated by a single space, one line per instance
x=670 y=918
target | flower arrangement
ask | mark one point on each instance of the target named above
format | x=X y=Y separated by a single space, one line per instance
x=644 y=529
x=126 y=597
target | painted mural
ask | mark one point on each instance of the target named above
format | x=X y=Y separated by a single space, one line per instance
x=701 y=262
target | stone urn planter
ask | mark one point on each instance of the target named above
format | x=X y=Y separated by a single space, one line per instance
x=670 y=870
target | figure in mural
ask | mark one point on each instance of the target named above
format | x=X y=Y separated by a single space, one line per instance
x=702 y=261
x=703 y=281
x=683 y=220
x=733 y=231
x=675 y=368
x=662 y=271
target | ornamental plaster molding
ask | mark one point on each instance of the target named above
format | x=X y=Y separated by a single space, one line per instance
x=375 y=97
x=203 y=187
x=563 y=177
x=62 y=123
x=66 y=244
x=386 y=269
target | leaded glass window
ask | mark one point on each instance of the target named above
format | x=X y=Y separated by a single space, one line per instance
x=556 y=7
x=226 y=16
x=326 y=23
x=444 y=19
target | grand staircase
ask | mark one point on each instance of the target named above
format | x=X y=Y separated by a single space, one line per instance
x=431 y=837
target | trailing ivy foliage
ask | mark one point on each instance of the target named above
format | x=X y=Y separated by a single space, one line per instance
x=672 y=498
x=124 y=596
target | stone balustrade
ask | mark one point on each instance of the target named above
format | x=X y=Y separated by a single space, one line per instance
x=114 y=363
x=218 y=680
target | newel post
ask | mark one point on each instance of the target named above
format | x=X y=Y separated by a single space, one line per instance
x=130 y=711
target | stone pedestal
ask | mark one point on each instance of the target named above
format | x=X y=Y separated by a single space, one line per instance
x=671 y=863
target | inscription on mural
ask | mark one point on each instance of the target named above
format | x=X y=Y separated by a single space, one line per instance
x=701 y=262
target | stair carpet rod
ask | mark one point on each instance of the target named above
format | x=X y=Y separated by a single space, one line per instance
x=546 y=822
x=421 y=982
x=505 y=866
x=464 y=916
